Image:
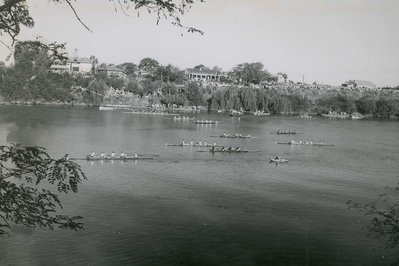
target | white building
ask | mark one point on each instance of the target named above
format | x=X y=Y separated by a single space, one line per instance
x=204 y=74
x=351 y=84
x=81 y=65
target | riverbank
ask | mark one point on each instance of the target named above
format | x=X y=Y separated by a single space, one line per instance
x=45 y=103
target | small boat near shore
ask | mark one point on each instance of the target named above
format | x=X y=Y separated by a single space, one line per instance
x=236 y=113
x=278 y=160
x=305 y=116
x=357 y=116
x=333 y=115
x=261 y=113
x=111 y=107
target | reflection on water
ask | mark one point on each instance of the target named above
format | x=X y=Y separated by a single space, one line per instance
x=199 y=208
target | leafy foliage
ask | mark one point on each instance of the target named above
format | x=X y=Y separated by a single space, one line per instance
x=168 y=74
x=385 y=108
x=366 y=105
x=29 y=182
x=384 y=222
x=13 y=14
x=148 y=67
x=338 y=103
x=193 y=94
x=248 y=73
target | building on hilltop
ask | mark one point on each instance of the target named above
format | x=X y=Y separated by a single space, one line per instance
x=278 y=78
x=112 y=70
x=204 y=74
x=351 y=84
x=73 y=65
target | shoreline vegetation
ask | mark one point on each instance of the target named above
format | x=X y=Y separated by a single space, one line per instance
x=248 y=87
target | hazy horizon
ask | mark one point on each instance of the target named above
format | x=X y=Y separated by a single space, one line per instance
x=325 y=41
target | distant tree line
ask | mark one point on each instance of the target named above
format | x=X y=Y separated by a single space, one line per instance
x=246 y=86
x=272 y=100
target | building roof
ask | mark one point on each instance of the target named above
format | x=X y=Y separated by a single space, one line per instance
x=80 y=60
x=202 y=71
x=361 y=83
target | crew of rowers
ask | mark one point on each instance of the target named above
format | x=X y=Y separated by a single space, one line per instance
x=229 y=135
x=206 y=122
x=182 y=118
x=113 y=155
x=228 y=149
x=199 y=144
x=285 y=131
x=301 y=142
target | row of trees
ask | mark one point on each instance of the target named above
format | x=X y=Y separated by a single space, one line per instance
x=252 y=99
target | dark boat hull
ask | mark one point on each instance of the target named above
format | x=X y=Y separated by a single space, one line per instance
x=304 y=144
x=114 y=159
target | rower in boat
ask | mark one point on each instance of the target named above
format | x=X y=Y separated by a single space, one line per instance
x=123 y=155
x=113 y=155
x=200 y=143
x=238 y=149
x=93 y=154
x=192 y=143
x=184 y=143
x=135 y=155
x=103 y=155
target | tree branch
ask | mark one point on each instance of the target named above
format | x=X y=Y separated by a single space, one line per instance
x=77 y=16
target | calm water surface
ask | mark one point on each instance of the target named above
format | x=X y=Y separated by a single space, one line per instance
x=195 y=208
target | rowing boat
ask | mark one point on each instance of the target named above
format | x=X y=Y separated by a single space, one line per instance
x=286 y=133
x=280 y=160
x=127 y=158
x=206 y=122
x=229 y=151
x=234 y=137
x=305 y=144
x=195 y=145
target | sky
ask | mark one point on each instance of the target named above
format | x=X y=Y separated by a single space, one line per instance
x=327 y=41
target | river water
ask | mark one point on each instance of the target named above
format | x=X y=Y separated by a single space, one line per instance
x=195 y=208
